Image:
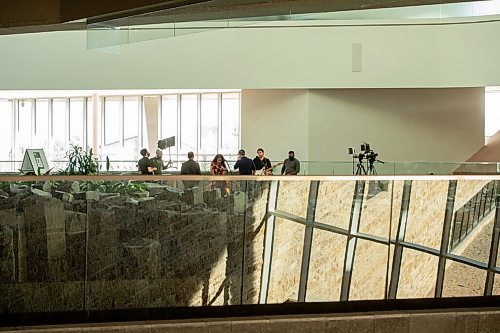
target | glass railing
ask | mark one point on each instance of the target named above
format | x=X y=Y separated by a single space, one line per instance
x=215 y=14
x=308 y=168
x=70 y=243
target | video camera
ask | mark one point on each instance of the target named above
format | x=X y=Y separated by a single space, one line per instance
x=366 y=153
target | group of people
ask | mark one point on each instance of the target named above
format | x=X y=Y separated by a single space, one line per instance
x=260 y=165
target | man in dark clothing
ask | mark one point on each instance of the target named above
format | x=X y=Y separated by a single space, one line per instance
x=262 y=163
x=245 y=166
x=157 y=162
x=144 y=164
x=190 y=167
x=291 y=166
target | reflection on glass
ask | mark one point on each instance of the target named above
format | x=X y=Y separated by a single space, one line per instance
x=426 y=212
x=286 y=261
x=417 y=278
x=189 y=123
x=325 y=267
x=376 y=213
x=369 y=271
x=496 y=285
x=90 y=124
x=333 y=206
x=463 y=280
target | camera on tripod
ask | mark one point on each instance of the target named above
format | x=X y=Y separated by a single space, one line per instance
x=366 y=154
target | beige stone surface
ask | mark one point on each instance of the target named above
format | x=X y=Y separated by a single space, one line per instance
x=418 y=274
x=333 y=206
x=293 y=197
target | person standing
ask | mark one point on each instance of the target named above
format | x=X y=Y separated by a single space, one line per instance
x=262 y=163
x=291 y=166
x=144 y=164
x=190 y=167
x=244 y=164
x=246 y=168
x=157 y=162
x=218 y=168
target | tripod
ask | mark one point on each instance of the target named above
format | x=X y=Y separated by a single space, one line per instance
x=371 y=168
x=360 y=170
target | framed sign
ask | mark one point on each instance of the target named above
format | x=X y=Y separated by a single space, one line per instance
x=34 y=162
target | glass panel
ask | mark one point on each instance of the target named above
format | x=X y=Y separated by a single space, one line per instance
x=463 y=280
x=209 y=124
x=326 y=267
x=397 y=189
x=189 y=124
x=369 y=275
x=76 y=121
x=477 y=244
x=150 y=246
x=59 y=126
x=417 y=278
x=293 y=197
x=254 y=233
x=496 y=285
x=426 y=212
x=230 y=122
x=334 y=203
x=131 y=117
x=24 y=129
x=376 y=213
x=90 y=124
x=286 y=261
x=111 y=121
x=43 y=251
x=42 y=124
x=169 y=116
x=6 y=127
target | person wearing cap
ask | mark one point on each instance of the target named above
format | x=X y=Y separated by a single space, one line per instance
x=244 y=164
x=157 y=162
x=291 y=166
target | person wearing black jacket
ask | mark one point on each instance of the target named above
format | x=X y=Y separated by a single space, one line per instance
x=245 y=166
x=262 y=163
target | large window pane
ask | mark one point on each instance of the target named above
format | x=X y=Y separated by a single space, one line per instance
x=111 y=121
x=131 y=117
x=168 y=116
x=59 y=125
x=90 y=124
x=209 y=124
x=189 y=123
x=76 y=121
x=5 y=134
x=230 y=123
x=24 y=130
x=42 y=124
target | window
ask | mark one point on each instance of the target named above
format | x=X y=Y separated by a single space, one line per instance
x=491 y=114
x=76 y=121
x=111 y=120
x=41 y=138
x=189 y=124
x=168 y=116
x=59 y=129
x=209 y=116
x=6 y=127
x=24 y=130
x=230 y=123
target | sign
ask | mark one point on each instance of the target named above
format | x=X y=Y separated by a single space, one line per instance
x=34 y=162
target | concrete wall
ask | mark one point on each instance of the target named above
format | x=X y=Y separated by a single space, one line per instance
x=450 y=55
x=401 y=124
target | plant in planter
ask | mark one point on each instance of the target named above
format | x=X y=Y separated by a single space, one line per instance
x=81 y=162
